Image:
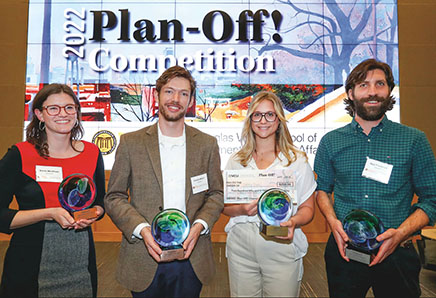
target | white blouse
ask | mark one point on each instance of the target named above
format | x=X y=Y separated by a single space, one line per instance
x=305 y=186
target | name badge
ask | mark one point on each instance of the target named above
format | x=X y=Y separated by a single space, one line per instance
x=377 y=170
x=48 y=174
x=199 y=183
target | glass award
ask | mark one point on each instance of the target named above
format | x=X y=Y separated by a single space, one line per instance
x=76 y=194
x=362 y=228
x=274 y=207
x=170 y=228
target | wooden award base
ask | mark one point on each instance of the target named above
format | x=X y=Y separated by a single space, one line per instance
x=273 y=230
x=85 y=214
x=171 y=254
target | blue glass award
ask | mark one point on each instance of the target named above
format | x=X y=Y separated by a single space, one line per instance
x=362 y=228
x=274 y=207
x=76 y=194
x=170 y=228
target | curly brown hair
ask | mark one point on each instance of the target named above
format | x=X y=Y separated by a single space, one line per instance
x=37 y=136
x=174 y=72
x=358 y=75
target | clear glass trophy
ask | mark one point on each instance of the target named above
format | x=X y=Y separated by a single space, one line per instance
x=76 y=194
x=362 y=228
x=274 y=207
x=170 y=228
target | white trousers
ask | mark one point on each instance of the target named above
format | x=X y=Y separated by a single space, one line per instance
x=259 y=267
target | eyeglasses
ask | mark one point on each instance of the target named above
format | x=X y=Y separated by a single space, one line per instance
x=54 y=110
x=269 y=116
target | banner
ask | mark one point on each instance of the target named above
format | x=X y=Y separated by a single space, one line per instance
x=111 y=53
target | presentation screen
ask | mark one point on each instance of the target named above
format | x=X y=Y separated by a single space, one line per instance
x=111 y=53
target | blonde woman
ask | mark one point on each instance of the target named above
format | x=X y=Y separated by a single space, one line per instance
x=261 y=266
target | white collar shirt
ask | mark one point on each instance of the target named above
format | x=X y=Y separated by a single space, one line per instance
x=173 y=165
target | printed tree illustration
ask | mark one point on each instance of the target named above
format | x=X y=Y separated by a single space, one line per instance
x=331 y=37
x=206 y=105
x=137 y=99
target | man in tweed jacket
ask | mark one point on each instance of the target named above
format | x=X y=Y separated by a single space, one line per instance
x=166 y=165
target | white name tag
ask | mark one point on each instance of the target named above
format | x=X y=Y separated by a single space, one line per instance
x=48 y=174
x=199 y=183
x=377 y=170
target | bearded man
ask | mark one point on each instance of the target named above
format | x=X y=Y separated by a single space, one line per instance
x=164 y=166
x=376 y=165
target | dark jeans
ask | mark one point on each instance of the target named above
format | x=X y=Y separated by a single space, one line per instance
x=173 y=279
x=396 y=276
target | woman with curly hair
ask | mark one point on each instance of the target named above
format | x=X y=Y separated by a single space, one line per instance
x=50 y=253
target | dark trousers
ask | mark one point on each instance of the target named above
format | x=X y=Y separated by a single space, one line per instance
x=396 y=276
x=173 y=279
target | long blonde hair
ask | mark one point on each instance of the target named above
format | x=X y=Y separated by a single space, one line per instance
x=283 y=140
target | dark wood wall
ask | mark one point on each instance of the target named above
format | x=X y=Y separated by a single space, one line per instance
x=417 y=50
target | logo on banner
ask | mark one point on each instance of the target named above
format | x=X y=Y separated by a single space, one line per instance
x=105 y=141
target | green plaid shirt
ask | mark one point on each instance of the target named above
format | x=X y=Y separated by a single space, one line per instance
x=341 y=157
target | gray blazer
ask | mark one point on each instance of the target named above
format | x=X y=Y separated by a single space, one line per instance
x=137 y=171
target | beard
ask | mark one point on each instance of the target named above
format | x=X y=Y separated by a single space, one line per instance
x=172 y=117
x=371 y=113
